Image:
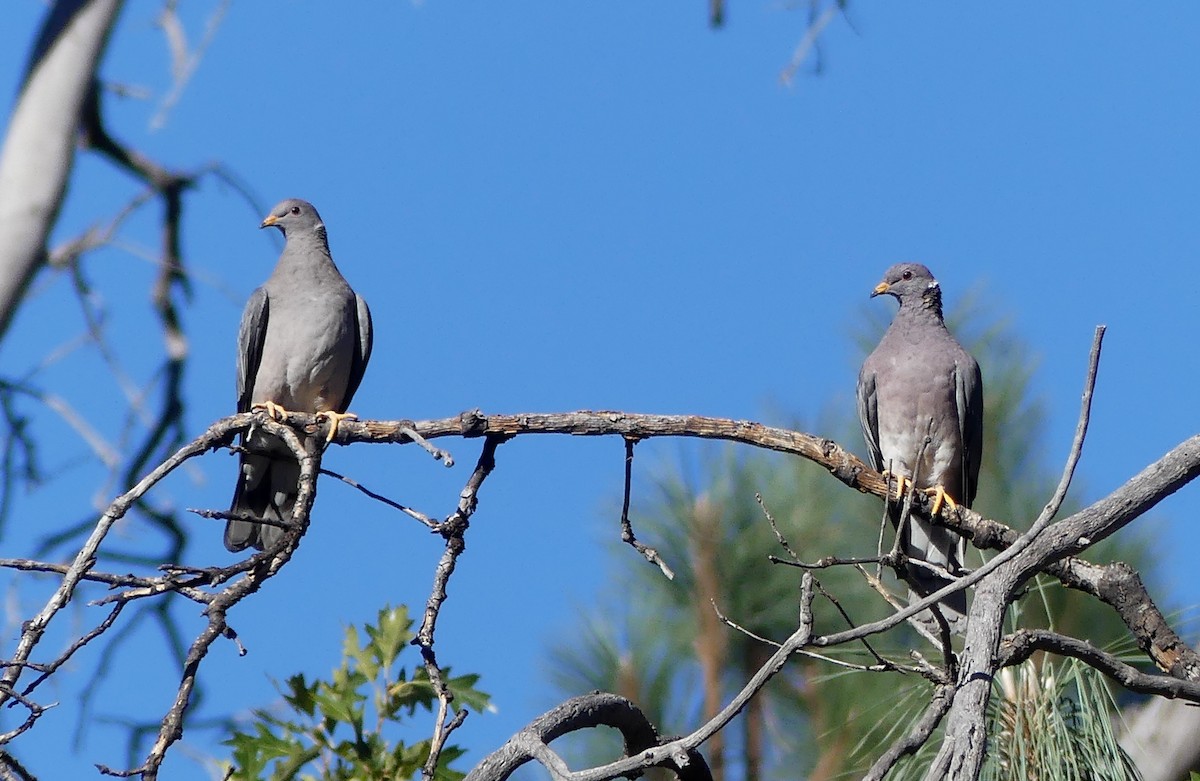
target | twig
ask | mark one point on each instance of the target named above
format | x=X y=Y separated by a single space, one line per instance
x=35 y=712
x=185 y=62
x=825 y=562
x=100 y=447
x=50 y=669
x=627 y=535
x=410 y=512
x=883 y=666
x=943 y=698
x=849 y=622
x=1081 y=427
x=811 y=35
x=876 y=584
x=783 y=543
x=453 y=530
x=437 y=453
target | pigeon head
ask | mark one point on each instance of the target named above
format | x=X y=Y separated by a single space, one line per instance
x=295 y=219
x=913 y=285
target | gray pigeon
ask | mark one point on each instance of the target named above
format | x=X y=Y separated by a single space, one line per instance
x=919 y=382
x=303 y=346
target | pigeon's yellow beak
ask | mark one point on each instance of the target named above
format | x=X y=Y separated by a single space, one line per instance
x=269 y=221
x=879 y=290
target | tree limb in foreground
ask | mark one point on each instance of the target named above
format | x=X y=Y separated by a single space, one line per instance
x=1047 y=551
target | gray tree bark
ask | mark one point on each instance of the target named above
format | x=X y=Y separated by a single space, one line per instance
x=39 y=148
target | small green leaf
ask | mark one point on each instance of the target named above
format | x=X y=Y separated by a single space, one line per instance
x=360 y=654
x=300 y=695
x=465 y=693
x=329 y=739
x=341 y=706
x=390 y=636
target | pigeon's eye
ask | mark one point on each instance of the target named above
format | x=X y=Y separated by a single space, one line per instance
x=907 y=275
x=295 y=210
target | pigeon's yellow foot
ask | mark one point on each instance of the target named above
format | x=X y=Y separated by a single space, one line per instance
x=271 y=408
x=940 y=497
x=899 y=480
x=334 y=419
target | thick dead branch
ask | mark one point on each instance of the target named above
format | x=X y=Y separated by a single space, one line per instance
x=962 y=752
x=39 y=146
x=1027 y=554
x=1022 y=644
x=585 y=712
x=1110 y=583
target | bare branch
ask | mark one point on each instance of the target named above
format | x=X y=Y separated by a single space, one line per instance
x=267 y=564
x=1081 y=427
x=453 y=530
x=1156 y=482
x=437 y=453
x=410 y=512
x=812 y=34
x=585 y=712
x=1020 y=645
x=184 y=62
x=1025 y=555
x=943 y=697
x=677 y=750
x=962 y=752
x=627 y=535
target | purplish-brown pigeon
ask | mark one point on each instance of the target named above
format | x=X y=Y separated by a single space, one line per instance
x=920 y=383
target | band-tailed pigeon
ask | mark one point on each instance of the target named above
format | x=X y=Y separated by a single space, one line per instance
x=919 y=382
x=303 y=346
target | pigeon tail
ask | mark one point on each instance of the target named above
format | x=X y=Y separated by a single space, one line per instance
x=266 y=489
x=941 y=547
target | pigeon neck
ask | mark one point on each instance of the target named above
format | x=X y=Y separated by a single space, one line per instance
x=927 y=307
x=308 y=241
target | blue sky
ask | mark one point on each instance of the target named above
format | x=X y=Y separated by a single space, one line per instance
x=556 y=206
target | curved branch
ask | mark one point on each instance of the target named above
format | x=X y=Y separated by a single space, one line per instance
x=1021 y=644
x=676 y=753
x=1110 y=583
x=590 y=710
x=1166 y=475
